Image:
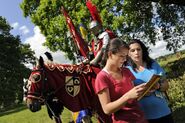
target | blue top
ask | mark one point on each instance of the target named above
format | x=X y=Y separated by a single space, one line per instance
x=155 y=105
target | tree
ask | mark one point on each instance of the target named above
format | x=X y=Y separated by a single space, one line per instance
x=177 y=2
x=13 y=55
x=143 y=19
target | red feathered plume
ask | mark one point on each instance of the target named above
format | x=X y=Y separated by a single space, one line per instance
x=94 y=12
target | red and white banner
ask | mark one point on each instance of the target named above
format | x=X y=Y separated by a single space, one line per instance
x=79 y=41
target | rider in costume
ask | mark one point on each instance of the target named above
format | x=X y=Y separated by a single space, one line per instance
x=101 y=36
x=99 y=41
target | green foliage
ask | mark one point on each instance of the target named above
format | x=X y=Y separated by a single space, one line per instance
x=177 y=93
x=174 y=66
x=13 y=55
x=4 y=28
x=129 y=18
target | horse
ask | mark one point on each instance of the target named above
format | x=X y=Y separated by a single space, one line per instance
x=64 y=85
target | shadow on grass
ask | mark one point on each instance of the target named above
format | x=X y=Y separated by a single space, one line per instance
x=13 y=109
x=178 y=115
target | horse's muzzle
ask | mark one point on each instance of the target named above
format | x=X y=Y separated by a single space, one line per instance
x=33 y=105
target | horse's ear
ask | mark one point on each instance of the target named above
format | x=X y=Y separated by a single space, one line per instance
x=41 y=62
x=49 y=56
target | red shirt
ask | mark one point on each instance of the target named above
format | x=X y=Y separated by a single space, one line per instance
x=130 y=113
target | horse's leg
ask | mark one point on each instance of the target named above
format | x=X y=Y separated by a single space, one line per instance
x=86 y=119
x=58 y=120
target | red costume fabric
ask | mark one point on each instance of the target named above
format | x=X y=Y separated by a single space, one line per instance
x=130 y=113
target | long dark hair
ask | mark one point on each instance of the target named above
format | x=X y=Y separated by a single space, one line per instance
x=145 y=53
x=114 y=46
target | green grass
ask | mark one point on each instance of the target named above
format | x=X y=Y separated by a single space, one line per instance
x=23 y=115
x=20 y=114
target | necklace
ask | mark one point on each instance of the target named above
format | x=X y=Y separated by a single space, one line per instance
x=140 y=68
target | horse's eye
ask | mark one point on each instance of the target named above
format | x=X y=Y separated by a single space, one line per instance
x=36 y=78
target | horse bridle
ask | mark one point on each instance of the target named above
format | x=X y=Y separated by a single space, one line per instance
x=41 y=97
x=44 y=95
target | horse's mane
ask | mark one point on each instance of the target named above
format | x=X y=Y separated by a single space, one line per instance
x=64 y=67
x=70 y=68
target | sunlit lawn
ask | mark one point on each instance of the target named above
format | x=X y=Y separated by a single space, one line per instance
x=23 y=115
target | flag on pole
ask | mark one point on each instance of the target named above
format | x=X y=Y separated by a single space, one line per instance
x=81 y=44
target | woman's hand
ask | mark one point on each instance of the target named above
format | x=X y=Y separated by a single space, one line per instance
x=136 y=92
x=155 y=87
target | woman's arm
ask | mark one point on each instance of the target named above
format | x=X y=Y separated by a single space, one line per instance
x=97 y=58
x=108 y=106
x=111 y=107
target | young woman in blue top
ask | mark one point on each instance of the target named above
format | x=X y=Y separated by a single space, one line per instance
x=154 y=105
